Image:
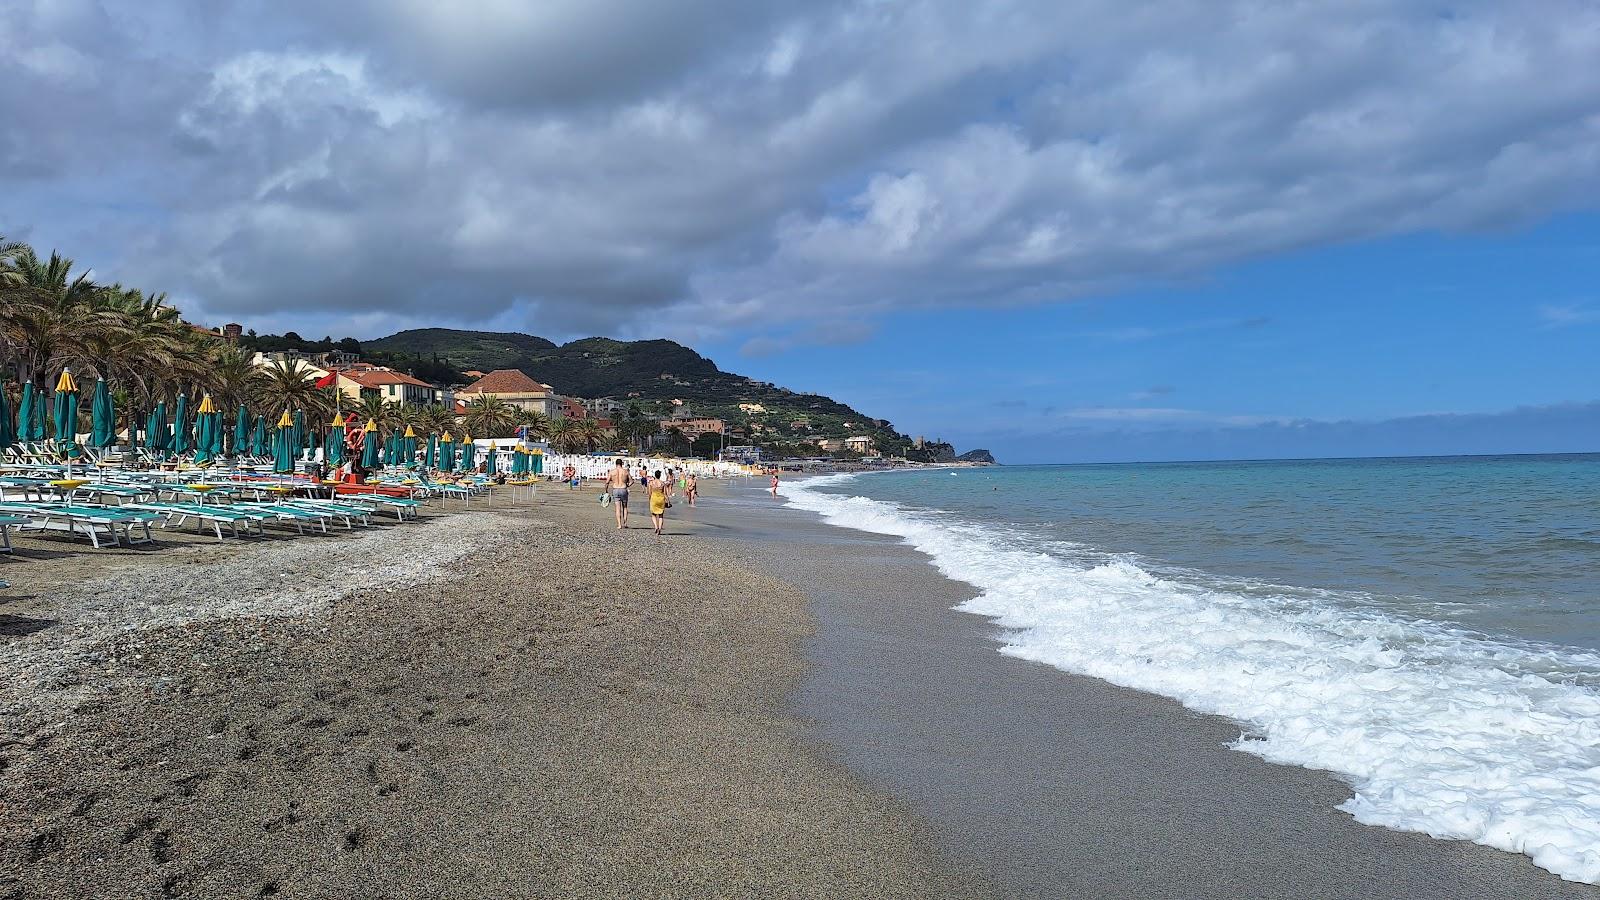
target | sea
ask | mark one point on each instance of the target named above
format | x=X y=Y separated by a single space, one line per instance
x=1426 y=629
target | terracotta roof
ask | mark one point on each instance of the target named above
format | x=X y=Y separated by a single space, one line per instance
x=374 y=378
x=505 y=381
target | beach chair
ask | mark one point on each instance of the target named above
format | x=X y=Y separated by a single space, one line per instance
x=5 y=531
x=288 y=514
x=215 y=516
x=90 y=521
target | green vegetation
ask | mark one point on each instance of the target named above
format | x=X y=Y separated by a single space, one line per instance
x=654 y=373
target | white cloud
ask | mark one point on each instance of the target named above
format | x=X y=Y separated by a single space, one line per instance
x=748 y=166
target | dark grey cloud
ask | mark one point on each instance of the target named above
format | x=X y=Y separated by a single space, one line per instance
x=720 y=166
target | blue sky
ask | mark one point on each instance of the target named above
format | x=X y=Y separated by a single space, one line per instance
x=1415 y=326
x=1059 y=229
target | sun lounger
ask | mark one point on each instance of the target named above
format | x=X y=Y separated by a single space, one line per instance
x=215 y=516
x=286 y=513
x=5 y=531
x=90 y=521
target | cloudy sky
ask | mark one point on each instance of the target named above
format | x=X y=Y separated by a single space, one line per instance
x=1026 y=224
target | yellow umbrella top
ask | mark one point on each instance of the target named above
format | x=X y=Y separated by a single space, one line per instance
x=284 y=421
x=447 y=438
x=372 y=425
x=467 y=438
x=338 y=420
x=206 y=406
x=66 y=384
x=409 y=432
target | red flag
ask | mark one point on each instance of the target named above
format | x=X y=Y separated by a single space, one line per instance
x=327 y=380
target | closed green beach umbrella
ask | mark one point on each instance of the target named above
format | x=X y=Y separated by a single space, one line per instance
x=283 y=446
x=66 y=411
x=447 y=453
x=104 y=431
x=155 y=429
x=469 y=454
x=408 y=448
x=181 y=442
x=241 y=431
x=205 y=427
x=431 y=459
x=369 y=446
x=302 y=438
x=489 y=461
x=28 y=415
x=258 y=437
x=8 y=432
x=537 y=466
x=333 y=446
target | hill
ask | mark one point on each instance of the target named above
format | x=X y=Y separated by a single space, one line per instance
x=652 y=372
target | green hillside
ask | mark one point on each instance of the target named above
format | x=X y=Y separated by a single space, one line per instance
x=652 y=372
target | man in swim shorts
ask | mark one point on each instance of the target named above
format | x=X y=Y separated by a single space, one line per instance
x=617 y=483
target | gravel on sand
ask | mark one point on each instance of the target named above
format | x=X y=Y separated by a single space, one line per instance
x=508 y=704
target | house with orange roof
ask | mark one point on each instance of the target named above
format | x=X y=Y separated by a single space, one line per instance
x=518 y=389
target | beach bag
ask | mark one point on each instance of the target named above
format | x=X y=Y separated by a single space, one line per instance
x=605 y=498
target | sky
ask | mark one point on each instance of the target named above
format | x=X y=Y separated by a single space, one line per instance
x=1057 y=230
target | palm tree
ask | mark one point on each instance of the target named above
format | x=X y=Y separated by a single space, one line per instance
x=42 y=332
x=372 y=408
x=537 y=423
x=589 y=433
x=291 y=385
x=490 y=417
x=564 y=436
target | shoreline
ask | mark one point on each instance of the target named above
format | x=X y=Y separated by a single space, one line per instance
x=1052 y=783
x=564 y=710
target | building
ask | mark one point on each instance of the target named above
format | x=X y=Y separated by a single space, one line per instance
x=831 y=445
x=516 y=388
x=858 y=444
x=573 y=408
x=743 y=453
x=694 y=428
x=391 y=385
x=604 y=408
x=333 y=359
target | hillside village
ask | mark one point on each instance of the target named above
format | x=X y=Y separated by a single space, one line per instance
x=691 y=407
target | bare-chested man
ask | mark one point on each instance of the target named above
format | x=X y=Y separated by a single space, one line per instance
x=617 y=483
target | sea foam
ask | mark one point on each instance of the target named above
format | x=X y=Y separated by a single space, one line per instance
x=1436 y=729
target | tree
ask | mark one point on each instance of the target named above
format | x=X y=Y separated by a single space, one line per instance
x=537 y=423
x=589 y=434
x=491 y=417
x=291 y=385
x=564 y=436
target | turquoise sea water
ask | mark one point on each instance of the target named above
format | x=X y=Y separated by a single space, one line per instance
x=1426 y=629
x=1509 y=545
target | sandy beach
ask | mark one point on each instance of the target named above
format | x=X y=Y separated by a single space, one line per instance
x=515 y=702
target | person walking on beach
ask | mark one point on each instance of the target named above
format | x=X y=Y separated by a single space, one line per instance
x=691 y=488
x=658 y=502
x=617 y=482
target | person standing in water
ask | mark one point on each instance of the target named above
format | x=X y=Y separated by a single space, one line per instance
x=617 y=482
x=774 y=482
x=658 y=502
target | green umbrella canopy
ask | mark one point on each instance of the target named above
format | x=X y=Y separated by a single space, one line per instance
x=258 y=437
x=489 y=461
x=66 y=409
x=202 y=438
x=333 y=445
x=180 y=426
x=218 y=430
x=155 y=428
x=8 y=433
x=283 y=446
x=104 y=432
x=369 y=447
x=469 y=454
x=241 y=430
x=432 y=459
x=302 y=437
x=447 y=452
x=28 y=414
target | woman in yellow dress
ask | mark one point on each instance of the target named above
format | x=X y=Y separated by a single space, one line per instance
x=658 y=502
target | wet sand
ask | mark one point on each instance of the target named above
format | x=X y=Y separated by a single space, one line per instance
x=1056 y=785
x=563 y=711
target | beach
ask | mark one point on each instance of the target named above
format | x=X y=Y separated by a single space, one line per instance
x=560 y=710
x=519 y=701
